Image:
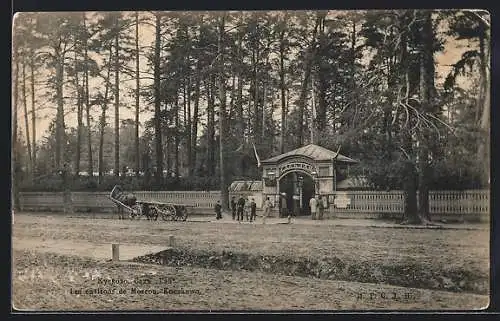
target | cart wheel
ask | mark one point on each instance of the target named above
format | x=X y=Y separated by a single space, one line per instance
x=167 y=212
x=183 y=213
x=153 y=213
x=176 y=213
x=136 y=211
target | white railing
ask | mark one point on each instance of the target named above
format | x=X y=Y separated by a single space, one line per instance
x=440 y=202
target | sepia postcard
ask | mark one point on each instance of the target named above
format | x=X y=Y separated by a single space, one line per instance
x=251 y=160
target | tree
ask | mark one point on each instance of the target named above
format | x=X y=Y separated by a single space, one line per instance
x=112 y=30
x=55 y=30
x=224 y=186
x=282 y=72
x=427 y=91
x=15 y=155
x=137 y=93
x=157 y=101
x=474 y=25
x=86 y=66
x=308 y=59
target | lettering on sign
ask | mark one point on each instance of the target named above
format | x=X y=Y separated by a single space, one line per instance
x=292 y=166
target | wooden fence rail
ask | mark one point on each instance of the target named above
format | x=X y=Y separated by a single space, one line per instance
x=440 y=202
x=347 y=203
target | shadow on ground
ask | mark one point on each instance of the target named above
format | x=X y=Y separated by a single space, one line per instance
x=333 y=268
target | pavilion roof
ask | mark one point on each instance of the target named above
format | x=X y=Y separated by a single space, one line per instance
x=314 y=152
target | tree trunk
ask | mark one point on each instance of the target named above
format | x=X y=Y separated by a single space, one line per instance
x=314 y=117
x=210 y=128
x=284 y=110
x=409 y=171
x=264 y=102
x=60 y=108
x=157 y=102
x=352 y=82
x=410 y=194
x=176 y=135
x=137 y=94
x=33 y=115
x=188 y=134
x=15 y=145
x=483 y=150
x=321 y=106
x=79 y=116
x=426 y=93
x=168 y=146
x=26 y=121
x=305 y=84
x=103 y=117
x=117 y=105
x=255 y=61
x=87 y=102
x=185 y=133
x=240 y=132
x=222 y=119
x=194 y=125
x=319 y=123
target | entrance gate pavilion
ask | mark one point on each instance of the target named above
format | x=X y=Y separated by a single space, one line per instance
x=294 y=177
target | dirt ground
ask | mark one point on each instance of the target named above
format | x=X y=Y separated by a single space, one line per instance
x=45 y=281
x=56 y=256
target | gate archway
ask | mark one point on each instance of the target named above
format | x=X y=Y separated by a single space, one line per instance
x=296 y=189
x=315 y=164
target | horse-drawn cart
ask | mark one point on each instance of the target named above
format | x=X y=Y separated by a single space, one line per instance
x=149 y=209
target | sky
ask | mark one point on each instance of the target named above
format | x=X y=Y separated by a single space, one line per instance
x=451 y=53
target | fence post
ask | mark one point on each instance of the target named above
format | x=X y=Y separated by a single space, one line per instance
x=115 y=251
x=68 y=202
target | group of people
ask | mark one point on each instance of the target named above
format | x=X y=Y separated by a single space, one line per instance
x=244 y=208
x=317 y=207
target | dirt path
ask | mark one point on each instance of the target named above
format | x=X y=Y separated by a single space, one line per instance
x=84 y=249
x=444 y=249
x=43 y=281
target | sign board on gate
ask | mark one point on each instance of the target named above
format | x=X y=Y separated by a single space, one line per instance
x=342 y=201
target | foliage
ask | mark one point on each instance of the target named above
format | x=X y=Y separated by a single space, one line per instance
x=349 y=79
x=54 y=183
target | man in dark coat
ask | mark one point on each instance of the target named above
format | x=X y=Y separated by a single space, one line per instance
x=241 y=207
x=233 y=207
x=218 y=211
x=253 y=210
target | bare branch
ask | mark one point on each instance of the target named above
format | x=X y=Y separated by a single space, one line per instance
x=452 y=130
x=404 y=152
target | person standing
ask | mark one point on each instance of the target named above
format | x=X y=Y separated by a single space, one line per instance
x=321 y=208
x=247 y=208
x=233 y=207
x=218 y=211
x=283 y=205
x=241 y=207
x=313 y=204
x=253 y=210
x=267 y=209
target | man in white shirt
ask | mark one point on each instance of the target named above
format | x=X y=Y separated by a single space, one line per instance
x=267 y=209
x=313 y=204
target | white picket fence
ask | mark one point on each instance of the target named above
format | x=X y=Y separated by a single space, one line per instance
x=100 y=202
x=470 y=202
x=440 y=202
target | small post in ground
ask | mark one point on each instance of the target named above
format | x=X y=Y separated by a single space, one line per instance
x=115 y=249
x=171 y=241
